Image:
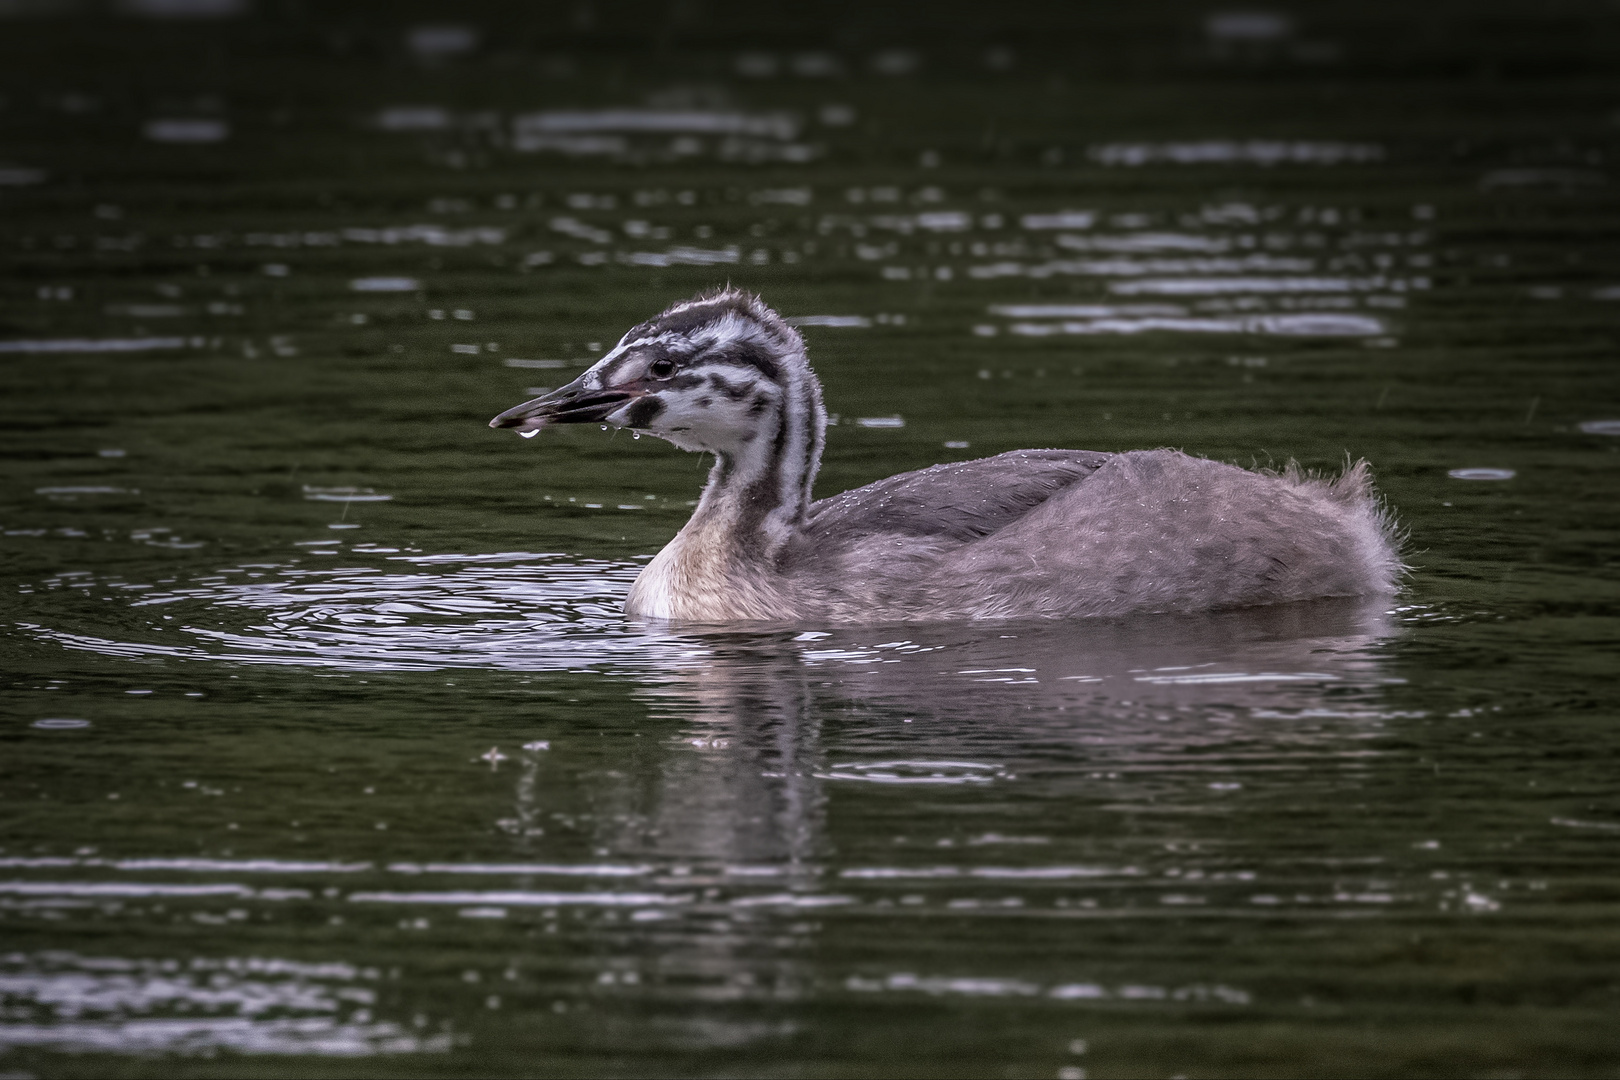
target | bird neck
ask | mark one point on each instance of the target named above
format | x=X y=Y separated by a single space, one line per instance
x=757 y=498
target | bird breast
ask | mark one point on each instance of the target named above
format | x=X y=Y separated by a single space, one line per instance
x=700 y=577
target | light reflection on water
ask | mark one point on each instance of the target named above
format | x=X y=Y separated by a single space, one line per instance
x=519 y=611
x=989 y=703
x=269 y=790
x=509 y=611
x=246 y=1005
x=732 y=825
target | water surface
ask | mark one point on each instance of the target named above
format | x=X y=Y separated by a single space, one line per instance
x=327 y=748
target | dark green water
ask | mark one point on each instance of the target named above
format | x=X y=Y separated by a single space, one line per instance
x=324 y=748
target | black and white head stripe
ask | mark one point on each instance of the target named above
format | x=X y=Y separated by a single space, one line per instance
x=729 y=326
x=723 y=373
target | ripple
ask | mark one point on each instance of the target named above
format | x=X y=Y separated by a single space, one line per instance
x=385 y=284
x=344 y=494
x=102 y=890
x=364 y=608
x=517 y=898
x=1063 y=219
x=1311 y=325
x=185 y=865
x=414 y=118
x=1209 y=286
x=506 y=610
x=1222 y=152
x=186 y=130
x=522 y=869
x=658 y=121
x=829 y=320
x=980 y=986
x=1222 y=678
x=1482 y=474
x=71 y=491
x=918 y=772
x=304 y=1035
x=261 y=1005
x=95 y=345
x=1030 y=873
x=1572 y=823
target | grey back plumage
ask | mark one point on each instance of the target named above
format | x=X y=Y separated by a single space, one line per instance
x=1063 y=534
x=961 y=501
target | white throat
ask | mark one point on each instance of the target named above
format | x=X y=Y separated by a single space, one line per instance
x=724 y=564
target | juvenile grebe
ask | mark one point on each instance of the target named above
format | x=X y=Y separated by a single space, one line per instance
x=1042 y=533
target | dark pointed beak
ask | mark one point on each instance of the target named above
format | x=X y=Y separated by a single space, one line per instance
x=571 y=404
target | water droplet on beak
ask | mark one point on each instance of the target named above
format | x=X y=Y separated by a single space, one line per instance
x=529 y=434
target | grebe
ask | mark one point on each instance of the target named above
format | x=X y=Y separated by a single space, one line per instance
x=1028 y=533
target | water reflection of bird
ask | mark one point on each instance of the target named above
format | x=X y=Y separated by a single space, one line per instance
x=1051 y=533
x=773 y=723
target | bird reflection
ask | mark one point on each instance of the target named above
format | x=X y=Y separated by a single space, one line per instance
x=770 y=724
x=746 y=793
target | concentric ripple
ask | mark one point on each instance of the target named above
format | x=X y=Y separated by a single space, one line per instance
x=521 y=611
x=510 y=610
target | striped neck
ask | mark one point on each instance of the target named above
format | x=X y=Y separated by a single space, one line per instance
x=758 y=493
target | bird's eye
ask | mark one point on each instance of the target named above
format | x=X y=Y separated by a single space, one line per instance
x=662 y=368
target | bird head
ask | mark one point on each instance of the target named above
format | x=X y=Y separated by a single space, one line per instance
x=711 y=373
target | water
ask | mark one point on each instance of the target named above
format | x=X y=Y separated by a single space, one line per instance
x=327 y=750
